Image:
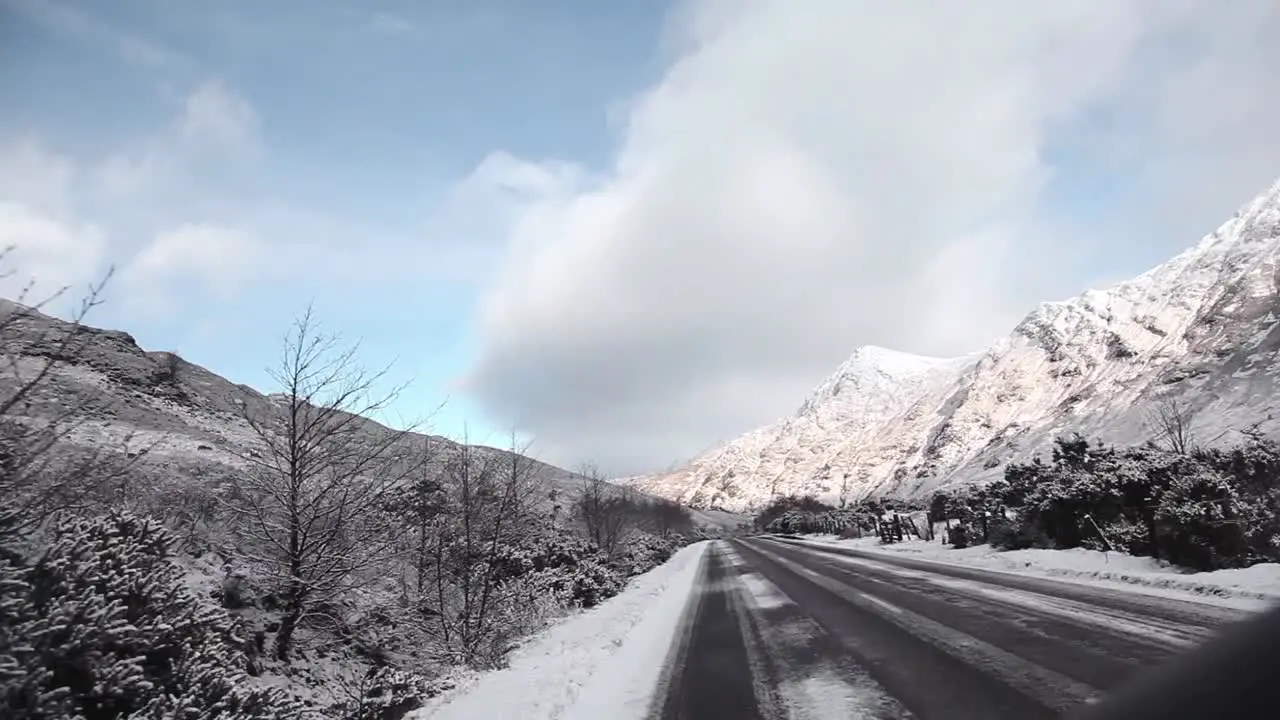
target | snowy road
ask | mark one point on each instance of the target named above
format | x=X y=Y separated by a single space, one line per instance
x=778 y=629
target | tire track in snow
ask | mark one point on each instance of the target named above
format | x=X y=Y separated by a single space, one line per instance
x=714 y=670
x=1051 y=689
x=815 y=678
x=1163 y=633
x=932 y=670
x=1099 y=643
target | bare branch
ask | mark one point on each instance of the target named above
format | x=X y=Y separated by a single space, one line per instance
x=37 y=482
x=1170 y=423
x=314 y=496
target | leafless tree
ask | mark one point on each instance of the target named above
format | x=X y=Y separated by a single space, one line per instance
x=420 y=505
x=36 y=482
x=663 y=516
x=492 y=507
x=606 y=511
x=312 y=504
x=1170 y=422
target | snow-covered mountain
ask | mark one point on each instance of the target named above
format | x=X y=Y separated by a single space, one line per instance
x=1198 y=334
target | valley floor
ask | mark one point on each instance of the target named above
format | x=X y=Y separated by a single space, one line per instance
x=773 y=628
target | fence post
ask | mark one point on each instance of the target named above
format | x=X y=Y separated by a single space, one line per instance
x=1106 y=544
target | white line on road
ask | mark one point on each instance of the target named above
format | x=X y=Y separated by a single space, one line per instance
x=1052 y=689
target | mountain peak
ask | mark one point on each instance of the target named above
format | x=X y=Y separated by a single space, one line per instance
x=1202 y=329
x=893 y=362
x=873 y=379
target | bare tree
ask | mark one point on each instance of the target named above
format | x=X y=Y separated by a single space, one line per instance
x=312 y=504
x=1170 y=421
x=667 y=516
x=606 y=511
x=417 y=507
x=844 y=490
x=34 y=481
x=491 y=509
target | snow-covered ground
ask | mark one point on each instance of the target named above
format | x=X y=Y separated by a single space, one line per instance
x=601 y=663
x=1246 y=587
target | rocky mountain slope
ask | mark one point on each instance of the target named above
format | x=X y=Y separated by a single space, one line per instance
x=1197 y=335
x=179 y=420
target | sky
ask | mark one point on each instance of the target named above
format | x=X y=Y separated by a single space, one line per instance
x=625 y=230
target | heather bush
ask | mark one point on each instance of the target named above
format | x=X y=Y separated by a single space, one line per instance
x=99 y=624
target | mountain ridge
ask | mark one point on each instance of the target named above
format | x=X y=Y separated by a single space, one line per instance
x=1182 y=332
x=187 y=420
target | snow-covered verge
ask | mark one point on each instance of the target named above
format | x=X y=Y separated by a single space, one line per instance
x=600 y=663
x=1245 y=587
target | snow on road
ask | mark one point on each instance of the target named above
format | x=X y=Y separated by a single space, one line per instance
x=602 y=663
x=1246 y=588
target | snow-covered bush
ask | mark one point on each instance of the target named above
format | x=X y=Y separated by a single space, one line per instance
x=589 y=582
x=559 y=564
x=641 y=552
x=100 y=625
x=1006 y=535
x=544 y=548
x=1203 y=509
x=381 y=694
x=789 y=515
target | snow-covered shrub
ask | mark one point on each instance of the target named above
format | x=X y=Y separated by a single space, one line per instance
x=593 y=581
x=190 y=508
x=100 y=625
x=1195 y=527
x=790 y=515
x=641 y=552
x=542 y=549
x=1203 y=509
x=560 y=566
x=382 y=694
x=1005 y=535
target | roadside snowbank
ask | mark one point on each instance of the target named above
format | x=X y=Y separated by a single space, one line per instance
x=602 y=663
x=1257 y=583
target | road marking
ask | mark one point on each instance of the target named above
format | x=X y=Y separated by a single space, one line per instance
x=810 y=684
x=1052 y=689
x=1159 y=633
x=761 y=593
x=883 y=603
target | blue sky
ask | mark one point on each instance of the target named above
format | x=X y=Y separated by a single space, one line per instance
x=627 y=229
x=366 y=113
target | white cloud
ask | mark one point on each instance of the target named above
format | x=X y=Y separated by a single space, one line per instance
x=215 y=118
x=193 y=258
x=215 y=127
x=813 y=175
x=46 y=254
x=33 y=175
x=142 y=198
x=47 y=246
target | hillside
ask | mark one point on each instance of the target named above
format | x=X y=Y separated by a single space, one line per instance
x=186 y=422
x=1197 y=334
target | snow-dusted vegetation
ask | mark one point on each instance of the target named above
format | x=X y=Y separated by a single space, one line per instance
x=175 y=546
x=1184 y=507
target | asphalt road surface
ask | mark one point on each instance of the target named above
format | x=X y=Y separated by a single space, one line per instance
x=780 y=629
